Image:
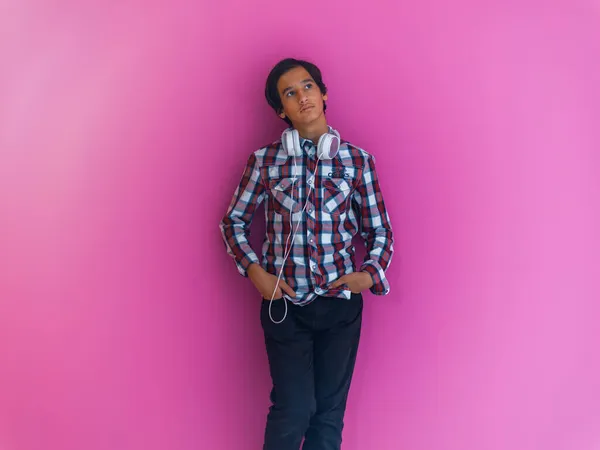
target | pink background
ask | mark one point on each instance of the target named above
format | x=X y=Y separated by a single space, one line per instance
x=124 y=127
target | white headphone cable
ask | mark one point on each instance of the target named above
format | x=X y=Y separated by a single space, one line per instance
x=287 y=251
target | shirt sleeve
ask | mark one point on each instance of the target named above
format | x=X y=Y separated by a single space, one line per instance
x=376 y=228
x=235 y=225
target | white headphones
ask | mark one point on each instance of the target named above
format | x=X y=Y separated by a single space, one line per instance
x=327 y=148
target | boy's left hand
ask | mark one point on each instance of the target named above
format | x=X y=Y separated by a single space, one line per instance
x=356 y=282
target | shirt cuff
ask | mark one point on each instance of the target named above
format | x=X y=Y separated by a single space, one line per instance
x=381 y=285
x=247 y=260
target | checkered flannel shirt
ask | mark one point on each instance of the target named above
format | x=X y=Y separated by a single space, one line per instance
x=346 y=200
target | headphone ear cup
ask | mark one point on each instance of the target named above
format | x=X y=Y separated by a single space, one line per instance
x=296 y=142
x=290 y=139
x=329 y=145
x=287 y=142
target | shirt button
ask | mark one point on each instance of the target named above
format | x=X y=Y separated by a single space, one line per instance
x=314 y=267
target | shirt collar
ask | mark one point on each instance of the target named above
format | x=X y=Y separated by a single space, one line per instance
x=307 y=146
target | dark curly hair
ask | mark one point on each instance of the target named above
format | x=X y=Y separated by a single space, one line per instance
x=282 y=67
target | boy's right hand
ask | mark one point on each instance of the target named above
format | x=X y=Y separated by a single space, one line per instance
x=265 y=283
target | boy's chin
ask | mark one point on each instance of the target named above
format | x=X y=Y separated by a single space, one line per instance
x=305 y=121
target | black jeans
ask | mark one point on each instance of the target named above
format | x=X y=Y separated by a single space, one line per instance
x=311 y=357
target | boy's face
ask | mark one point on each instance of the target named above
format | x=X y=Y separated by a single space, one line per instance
x=301 y=98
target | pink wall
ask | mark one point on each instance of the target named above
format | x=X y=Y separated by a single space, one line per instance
x=123 y=130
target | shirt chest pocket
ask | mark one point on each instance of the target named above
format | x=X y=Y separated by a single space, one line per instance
x=335 y=195
x=284 y=195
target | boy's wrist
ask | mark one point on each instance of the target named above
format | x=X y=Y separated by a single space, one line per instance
x=253 y=268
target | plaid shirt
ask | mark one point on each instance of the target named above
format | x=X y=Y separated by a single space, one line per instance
x=346 y=199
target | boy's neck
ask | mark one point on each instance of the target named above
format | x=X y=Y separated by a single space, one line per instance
x=313 y=131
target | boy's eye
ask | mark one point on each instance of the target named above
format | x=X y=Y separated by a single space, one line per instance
x=291 y=93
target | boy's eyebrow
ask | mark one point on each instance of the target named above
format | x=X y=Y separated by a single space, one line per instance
x=308 y=80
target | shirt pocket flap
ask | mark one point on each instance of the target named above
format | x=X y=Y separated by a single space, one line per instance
x=282 y=184
x=338 y=184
